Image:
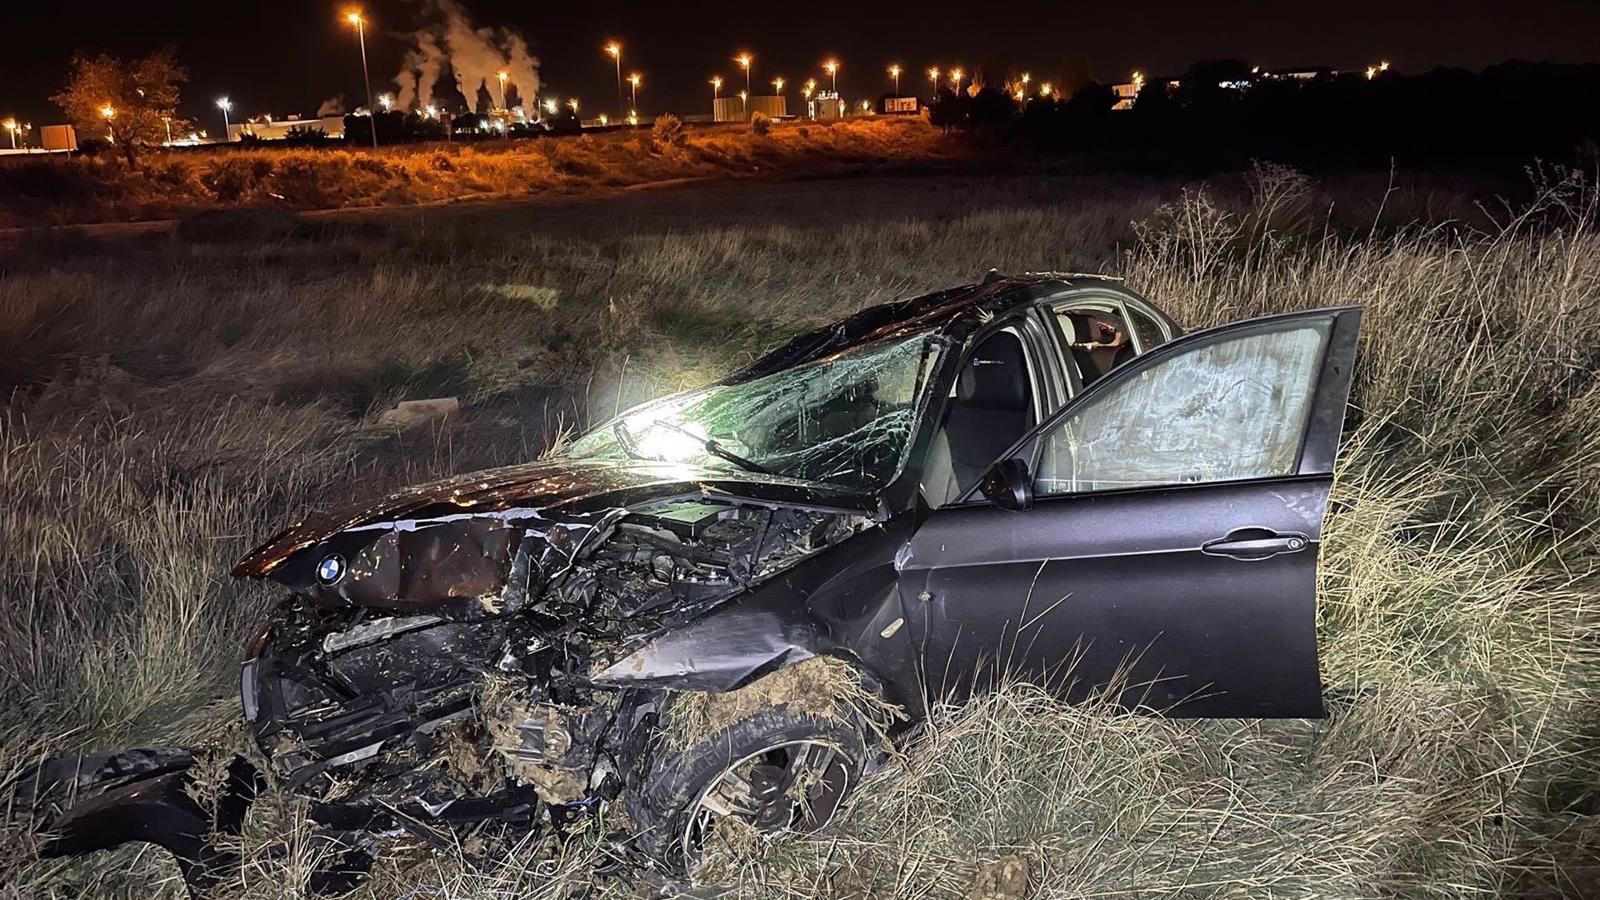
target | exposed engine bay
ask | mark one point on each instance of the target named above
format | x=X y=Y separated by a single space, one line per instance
x=414 y=712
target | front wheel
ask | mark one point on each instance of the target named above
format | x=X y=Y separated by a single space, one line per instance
x=774 y=770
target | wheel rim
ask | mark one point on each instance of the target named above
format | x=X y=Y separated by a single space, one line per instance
x=794 y=786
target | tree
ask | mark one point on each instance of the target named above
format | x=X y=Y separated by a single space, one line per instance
x=132 y=103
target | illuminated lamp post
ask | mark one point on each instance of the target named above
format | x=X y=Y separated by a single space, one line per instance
x=502 y=75
x=11 y=126
x=109 y=112
x=744 y=60
x=933 y=79
x=832 y=68
x=744 y=104
x=226 y=105
x=894 y=72
x=635 y=80
x=355 y=18
x=615 y=49
x=956 y=75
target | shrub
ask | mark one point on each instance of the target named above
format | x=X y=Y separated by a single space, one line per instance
x=760 y=123
x=669 y=131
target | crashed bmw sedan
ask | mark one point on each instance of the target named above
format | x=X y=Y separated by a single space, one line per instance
x=717 y=604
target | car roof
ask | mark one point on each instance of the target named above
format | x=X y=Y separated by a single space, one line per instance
x=941 y=311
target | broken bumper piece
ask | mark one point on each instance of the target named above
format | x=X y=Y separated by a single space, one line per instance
x=98 y=801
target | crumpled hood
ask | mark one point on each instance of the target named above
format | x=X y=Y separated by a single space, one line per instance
x=571 y=485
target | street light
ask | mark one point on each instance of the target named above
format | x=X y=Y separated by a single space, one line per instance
x=1022 y=95
x=615 y=49
x=933 y=78
x=11 y=126
x=551 y=106
x=777 y=84
x=956 y=75
x=744 y=104
x=635 y=79
x=574 y=104
x=226 y=105
x=744 y=60
x=502 y=75
x=354 y=17
x=108 y=112
x=894 y=72
x=832 y=68
x=387 y=100
x=1046 y=89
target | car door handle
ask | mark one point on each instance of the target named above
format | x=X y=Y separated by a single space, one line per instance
x=1255 y=543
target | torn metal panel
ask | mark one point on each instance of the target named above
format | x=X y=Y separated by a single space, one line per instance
x=99 y=801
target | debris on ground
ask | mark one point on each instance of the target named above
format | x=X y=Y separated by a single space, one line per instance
x=1004 y=879
x=411 y=413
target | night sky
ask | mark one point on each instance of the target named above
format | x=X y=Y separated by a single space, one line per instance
x=289 y=56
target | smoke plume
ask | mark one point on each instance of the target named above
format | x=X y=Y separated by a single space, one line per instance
x=333 y=106
x=474 y=57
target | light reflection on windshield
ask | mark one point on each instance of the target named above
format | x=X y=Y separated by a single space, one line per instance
x=845 y=420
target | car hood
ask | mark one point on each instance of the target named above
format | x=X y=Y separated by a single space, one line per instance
x=568 y=485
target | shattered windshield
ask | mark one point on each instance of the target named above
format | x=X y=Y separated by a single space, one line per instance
x=846 y=420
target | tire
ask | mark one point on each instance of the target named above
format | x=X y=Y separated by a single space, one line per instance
x=664 y=806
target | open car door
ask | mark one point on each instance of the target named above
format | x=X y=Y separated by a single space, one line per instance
x=1157 y=536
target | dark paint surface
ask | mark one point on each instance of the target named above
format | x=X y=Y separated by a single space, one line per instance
x=568 y=485
x=1080 y=591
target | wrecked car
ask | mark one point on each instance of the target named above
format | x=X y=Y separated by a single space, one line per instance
x=715 y=605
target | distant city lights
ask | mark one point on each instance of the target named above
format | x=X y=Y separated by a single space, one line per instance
x=984 y=82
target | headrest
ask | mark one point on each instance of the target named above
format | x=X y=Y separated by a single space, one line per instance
x=996 y=377
x=1079 y=328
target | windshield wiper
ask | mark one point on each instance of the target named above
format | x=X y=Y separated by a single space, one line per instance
x=717 y=450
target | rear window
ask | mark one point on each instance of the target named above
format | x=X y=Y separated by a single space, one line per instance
x=1148 y=330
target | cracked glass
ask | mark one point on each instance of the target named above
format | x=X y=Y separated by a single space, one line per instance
x=845 y=420
x=1226 y=410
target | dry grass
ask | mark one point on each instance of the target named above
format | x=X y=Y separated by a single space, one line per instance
x=181 y=400
x=104 y=188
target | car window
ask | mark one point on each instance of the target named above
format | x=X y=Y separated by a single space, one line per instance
x=1097 y=339
x=1224 y=410
x=993 y=405
x=846 y=419
x=1148 y=331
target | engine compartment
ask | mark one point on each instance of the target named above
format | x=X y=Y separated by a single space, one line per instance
x=478 y=707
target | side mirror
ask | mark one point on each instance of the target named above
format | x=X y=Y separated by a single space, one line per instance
x=1008 y=485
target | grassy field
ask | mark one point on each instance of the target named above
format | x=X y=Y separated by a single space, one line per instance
x=176 y=398
x=104 y=188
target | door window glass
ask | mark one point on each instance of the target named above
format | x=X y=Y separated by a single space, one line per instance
x=1148 y=331
x=1225 y=410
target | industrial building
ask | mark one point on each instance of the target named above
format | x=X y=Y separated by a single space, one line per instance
x=735 y=109
x=266 y=128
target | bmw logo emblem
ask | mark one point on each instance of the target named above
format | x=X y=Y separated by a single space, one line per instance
x=331 y=569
